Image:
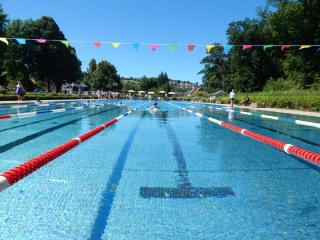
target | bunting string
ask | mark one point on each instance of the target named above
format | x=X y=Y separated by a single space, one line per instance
x=170 y=46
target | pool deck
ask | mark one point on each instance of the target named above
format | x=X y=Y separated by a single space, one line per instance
x=278 y=110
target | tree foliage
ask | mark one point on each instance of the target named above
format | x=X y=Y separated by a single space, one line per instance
x=103 y=76
x=288 y=22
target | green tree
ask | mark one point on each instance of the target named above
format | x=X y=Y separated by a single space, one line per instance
x=105 y=77
x=3 y=25
x=47 y=64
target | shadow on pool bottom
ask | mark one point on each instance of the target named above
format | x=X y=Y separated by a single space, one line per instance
x=185 y=192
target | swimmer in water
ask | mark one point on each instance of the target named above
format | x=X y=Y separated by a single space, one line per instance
x=155 y=106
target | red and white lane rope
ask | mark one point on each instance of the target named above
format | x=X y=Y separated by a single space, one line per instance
x=19 y=172
x=311 y=157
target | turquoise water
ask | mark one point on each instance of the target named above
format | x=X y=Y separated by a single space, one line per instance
x=133 y=180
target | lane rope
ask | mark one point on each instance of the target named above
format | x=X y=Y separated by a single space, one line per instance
x=19 y=172
x=34 y=113
x=310 y=157
x=283 y=119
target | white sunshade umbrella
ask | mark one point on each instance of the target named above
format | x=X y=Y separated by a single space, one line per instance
x=172 y=93
x=162 y=92
x=131 y=91
x=150 y=93
x=142 y=92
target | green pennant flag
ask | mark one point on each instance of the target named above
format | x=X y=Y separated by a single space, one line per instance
x=172 y=47
x=267 y=46
x=66 y=43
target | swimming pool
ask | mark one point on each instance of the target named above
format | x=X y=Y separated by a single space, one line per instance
x=158 y=175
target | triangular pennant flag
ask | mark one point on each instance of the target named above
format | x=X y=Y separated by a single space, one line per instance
x=304 y=46
x=66 y=43
x=284 y=47
x=21 y=40
x=227 y=48
x=115 y=44
x=172 y=47
x=244 y=47
x=136 y=46
x=191 y=47
x=209 y=47
x=153 y=47
x=97 y=44
x=41 y=41
x=4 y=40
x=267 y=46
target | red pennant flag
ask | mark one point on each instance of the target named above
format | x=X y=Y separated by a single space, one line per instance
x=41 y=41
x=153 y=47
x=97 y=44
x=284 y=47
x=191 y=47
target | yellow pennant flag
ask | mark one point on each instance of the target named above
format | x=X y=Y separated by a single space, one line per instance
x=115 y=44
x=210 y=47
x=4 y=40
x=304 y=46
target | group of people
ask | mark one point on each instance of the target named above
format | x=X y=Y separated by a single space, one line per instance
x=99 y=94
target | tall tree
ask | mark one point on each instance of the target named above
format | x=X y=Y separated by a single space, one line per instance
x=3 y=24
x=105 y=77
x=49 y=63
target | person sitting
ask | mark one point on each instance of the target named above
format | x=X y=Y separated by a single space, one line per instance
x=246 y=101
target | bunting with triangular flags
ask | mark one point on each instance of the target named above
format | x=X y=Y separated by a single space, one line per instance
x=172 y=47
x=66 y=43
x=304 y=46
x=265 y=47
x=244 y=47
x=154 y=47
x=97 y=44
x=21 y=40
x=115 y=44
x=191 y=47
x=4 y=40
x=210 y=47
x=136 y=46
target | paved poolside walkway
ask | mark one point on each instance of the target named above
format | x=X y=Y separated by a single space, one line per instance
x=279 y=110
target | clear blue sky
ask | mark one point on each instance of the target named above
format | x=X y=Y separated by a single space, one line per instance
x=149 y=21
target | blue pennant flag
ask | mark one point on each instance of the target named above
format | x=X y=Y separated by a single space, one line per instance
x=21 y=40
x=136 y=46
x=227 y=48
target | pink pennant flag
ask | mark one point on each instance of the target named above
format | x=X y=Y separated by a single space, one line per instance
x=153 y=47
x=191 y=47
x=244 y=47
x=284 y=47
x=97 y=44
x=41 y=41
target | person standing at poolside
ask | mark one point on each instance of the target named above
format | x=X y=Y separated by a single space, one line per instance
x=232 y=96
x=20 y=91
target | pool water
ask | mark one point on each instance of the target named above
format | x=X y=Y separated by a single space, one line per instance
x=158 y=175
